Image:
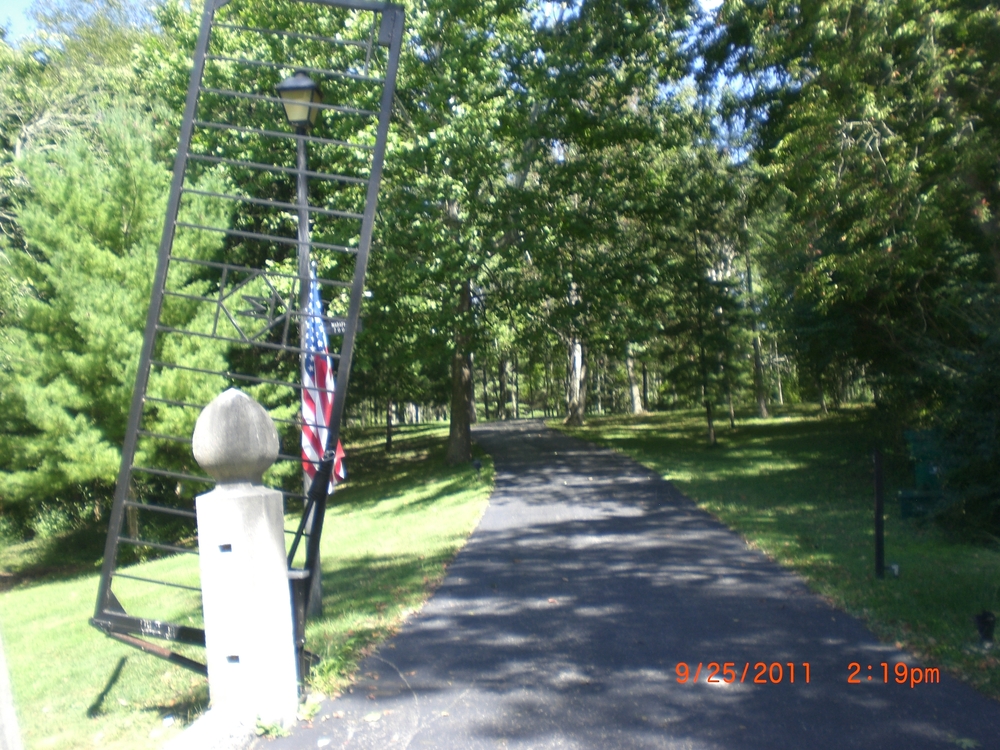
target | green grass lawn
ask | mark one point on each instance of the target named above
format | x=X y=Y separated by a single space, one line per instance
x=800 y=488
x=386 y=541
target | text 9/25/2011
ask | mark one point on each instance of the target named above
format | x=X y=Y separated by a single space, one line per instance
x=775 y=673
x=726 y=672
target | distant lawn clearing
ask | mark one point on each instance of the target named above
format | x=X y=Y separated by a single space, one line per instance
x=799 y=487
x=386 y=540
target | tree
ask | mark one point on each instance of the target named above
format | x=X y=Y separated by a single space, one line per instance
x=597 y=113
x=875 y=126
x=91 y=225
x=61 y=79
x=870 y=119
x=448 y=167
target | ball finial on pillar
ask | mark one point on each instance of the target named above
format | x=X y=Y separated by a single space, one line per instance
x=235 y=439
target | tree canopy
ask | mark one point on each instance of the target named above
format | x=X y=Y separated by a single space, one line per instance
x=604 y=205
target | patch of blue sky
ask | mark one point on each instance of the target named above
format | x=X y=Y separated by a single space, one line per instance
x=14 y=19
x=552 y=13
x=731 y=135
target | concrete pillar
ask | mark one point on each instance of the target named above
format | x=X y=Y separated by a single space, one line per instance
x=249 y=634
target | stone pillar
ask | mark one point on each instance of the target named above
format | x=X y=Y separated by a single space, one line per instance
x=249 y=635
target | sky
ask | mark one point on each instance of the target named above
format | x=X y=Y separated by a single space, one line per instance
x=12 y=15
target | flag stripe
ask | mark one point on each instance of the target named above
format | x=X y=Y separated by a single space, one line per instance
x=317 y=390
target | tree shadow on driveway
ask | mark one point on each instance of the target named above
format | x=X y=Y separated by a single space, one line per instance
x=564 y=619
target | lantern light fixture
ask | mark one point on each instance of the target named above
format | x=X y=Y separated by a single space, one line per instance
x=299 y=94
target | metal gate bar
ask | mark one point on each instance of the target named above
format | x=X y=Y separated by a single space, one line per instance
x=226 y=303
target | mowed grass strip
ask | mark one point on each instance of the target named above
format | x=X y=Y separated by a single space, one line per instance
x=799 y=487
x=387 y=541
x=390 y=532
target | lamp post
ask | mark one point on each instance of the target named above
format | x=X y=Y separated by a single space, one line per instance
x=299 y=96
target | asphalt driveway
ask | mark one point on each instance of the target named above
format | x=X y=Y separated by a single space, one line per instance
x=562 y=623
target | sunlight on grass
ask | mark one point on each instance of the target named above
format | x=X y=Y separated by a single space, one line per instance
x=60 y=668
x=799 y=488
x=387 y=538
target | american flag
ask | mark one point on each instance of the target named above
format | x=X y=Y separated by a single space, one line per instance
x=317 y=390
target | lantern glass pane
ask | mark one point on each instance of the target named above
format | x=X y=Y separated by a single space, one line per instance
x=317 y=97
x=297 y=108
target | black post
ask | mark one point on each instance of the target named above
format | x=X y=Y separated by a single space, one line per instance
x=879 y=517
x=298 y=581
x=302 y=201
x=315 y=598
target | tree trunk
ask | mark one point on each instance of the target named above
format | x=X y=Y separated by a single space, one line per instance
x=548 y=386
x=758 y=365
x=531 y=390
x=702 y=359
x=732 y=411
x=498 y=398
x=758 y=375
x=711 y=422
x=472 y=391
x=645 y=388
x=633 y=384
x=777 y=374
x=822 y=395
x=388 y=425
x=517 y=388
x=503 y=410
x=705 y=397
x=459 y=434
x=599 y=386
x=577 y=401
x=486 y=393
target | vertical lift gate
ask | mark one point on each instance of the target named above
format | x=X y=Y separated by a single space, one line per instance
x=253 y=203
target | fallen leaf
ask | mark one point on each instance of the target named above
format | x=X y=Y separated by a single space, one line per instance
x=373 y=716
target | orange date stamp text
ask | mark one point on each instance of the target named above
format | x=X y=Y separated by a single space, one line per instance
x=762 y=673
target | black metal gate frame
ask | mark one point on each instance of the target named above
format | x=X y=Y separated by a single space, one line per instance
x=110 y=616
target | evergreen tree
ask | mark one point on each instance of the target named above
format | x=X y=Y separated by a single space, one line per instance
x=91 y=226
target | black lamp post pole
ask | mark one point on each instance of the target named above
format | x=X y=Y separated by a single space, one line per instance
x=302 y=201
x=314 y=599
